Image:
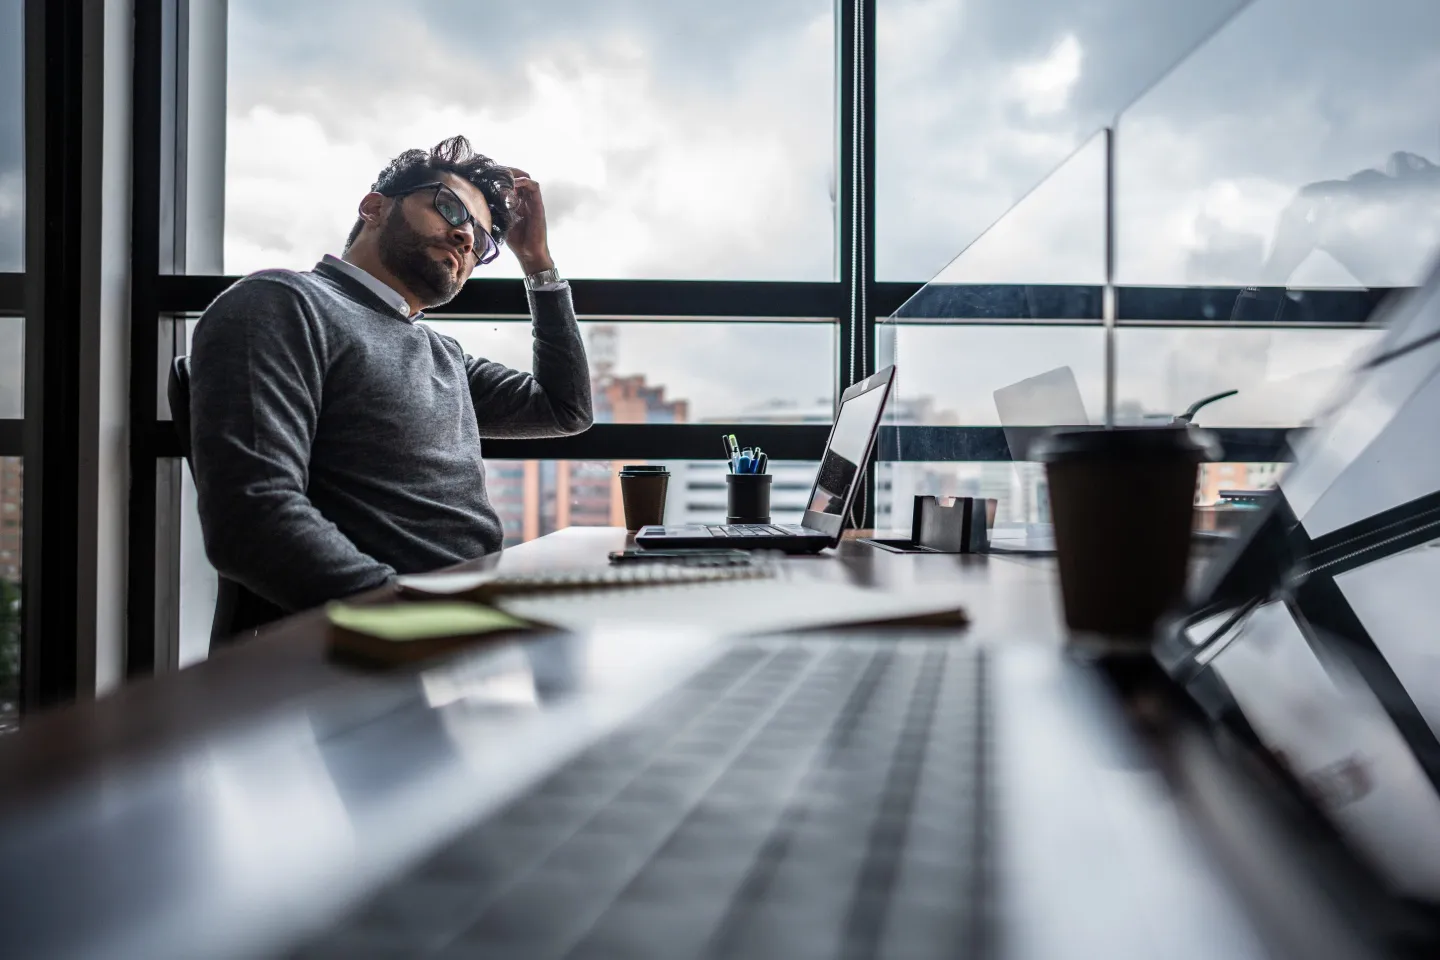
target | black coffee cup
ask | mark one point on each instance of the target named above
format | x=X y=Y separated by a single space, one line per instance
x=1123 y=502
x=642 y=490
x=747 y=498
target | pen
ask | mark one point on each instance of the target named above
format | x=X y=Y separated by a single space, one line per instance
x=734 y=445
x=762 y=462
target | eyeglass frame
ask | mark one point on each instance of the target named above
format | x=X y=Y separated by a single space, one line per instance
x=492 y=245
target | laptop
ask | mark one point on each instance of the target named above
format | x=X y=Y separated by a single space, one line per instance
x=842 y=469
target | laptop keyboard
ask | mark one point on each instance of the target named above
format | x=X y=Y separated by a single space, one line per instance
x=793 y=799
x=749 y=530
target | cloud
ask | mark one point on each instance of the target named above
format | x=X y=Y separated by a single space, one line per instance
x=654 y=176
x=696 y=140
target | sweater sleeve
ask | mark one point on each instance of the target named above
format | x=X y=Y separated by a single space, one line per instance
x=554 y=401
x=257 y=375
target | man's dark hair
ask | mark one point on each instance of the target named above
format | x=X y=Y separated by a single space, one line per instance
x=414 y=167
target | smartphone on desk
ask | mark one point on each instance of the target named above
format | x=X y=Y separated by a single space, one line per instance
x=700 y=557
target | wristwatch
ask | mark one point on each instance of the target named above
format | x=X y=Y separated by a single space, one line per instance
x=541 y=277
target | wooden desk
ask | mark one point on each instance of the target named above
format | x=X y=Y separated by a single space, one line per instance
x=286 y=663
x=235 y=805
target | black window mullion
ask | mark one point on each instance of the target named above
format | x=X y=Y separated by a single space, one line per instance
x=855 y=200
x=12 y=294
x=146 y=436
x=54 y=243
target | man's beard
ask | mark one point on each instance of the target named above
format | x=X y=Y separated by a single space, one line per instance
x=408 y=254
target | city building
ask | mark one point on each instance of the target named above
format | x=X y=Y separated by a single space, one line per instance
x=536 y=497
x=12 y=477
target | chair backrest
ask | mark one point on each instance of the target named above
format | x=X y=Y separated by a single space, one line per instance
x=177 y=391
x=237 y=610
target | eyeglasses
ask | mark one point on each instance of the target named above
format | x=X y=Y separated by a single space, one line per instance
x=453 y=209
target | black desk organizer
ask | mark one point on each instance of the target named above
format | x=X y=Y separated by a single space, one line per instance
x=946 y=525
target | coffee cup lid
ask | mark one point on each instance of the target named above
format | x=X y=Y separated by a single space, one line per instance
x=1178 y=440
x=645 y=468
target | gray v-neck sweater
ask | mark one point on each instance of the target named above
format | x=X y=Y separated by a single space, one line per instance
x=335 y=443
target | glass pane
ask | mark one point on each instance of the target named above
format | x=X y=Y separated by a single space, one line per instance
x=12 y=368
x=977 y=102
x=951 y=374
x=12 y=136
x=12 y=477
x=1055 y=234
x=199 y=582
x=1293 y=149
x=672 y=139
x=685 y=372
x=1283 y=375
x=1020 y=489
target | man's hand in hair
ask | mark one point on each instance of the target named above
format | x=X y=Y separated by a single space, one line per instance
x=528 y=238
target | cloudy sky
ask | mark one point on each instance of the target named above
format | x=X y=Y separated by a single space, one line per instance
x=688 y=139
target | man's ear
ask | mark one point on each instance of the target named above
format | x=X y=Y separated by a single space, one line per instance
x=370 y=207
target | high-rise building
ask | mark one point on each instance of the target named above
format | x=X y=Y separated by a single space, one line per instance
x=12 y=479
x=536 y=497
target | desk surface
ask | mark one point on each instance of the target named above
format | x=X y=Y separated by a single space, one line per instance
x=245 y=797
x=286 y=663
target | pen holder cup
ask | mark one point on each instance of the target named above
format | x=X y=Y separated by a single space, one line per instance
x=747 y=498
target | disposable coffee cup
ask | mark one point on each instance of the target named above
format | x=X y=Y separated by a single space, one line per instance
x=747 y=498
x=642 y=489
x=1123 y=502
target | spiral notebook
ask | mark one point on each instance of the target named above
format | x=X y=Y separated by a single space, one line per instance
x=740 y=607
x=485 y=586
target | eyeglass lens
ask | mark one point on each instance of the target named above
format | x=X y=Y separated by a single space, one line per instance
x=454 y=212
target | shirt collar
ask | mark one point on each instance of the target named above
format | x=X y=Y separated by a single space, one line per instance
x=388 y=294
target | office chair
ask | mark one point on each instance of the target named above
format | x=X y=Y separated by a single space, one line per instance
x=238 y=611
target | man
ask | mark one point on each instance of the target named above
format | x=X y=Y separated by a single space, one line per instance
x=335 y=439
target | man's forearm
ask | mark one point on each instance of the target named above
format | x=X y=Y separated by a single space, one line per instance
x=552 y=401
x=560 y=364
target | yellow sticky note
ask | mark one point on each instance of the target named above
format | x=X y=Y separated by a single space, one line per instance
x=402 y=622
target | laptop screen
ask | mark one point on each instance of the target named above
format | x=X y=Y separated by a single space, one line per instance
x=1318 y=631
x=849 y=444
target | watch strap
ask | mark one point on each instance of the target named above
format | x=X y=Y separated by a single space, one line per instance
x=541 y=277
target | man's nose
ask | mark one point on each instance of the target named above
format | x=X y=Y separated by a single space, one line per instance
x=463 y=236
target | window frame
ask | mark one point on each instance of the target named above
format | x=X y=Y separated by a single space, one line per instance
x=162 y=291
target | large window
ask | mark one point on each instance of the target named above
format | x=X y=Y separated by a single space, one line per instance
x=681 y=139
x=743 y=198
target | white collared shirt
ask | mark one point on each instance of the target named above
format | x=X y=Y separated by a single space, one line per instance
x=384 y=291
x=392 y=297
